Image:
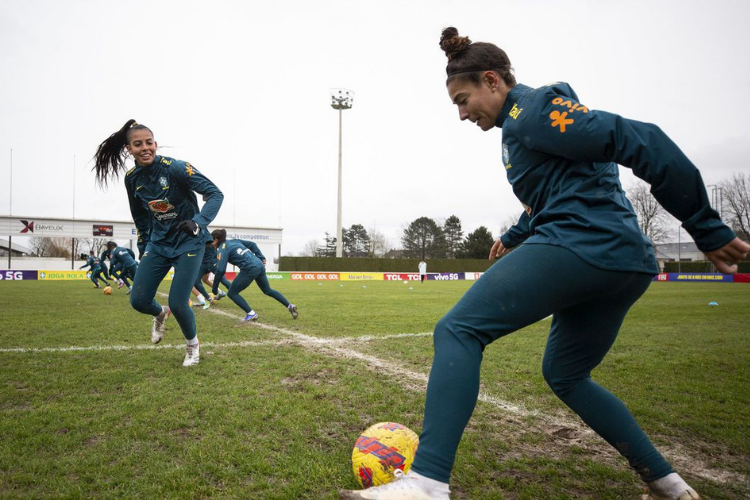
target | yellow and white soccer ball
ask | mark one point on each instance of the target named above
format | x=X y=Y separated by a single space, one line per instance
x=380 y=450
x=107 y=290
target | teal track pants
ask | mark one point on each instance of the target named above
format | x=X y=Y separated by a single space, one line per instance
x=243 y=281
x=588 y=305
x=96 y=275
x=150 y=273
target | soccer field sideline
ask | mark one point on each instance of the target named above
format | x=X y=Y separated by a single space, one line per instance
x=566 y=431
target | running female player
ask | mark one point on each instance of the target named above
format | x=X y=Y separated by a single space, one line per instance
x=561 y=159
x=247 y=256
x=95 y=264
x=171 y=228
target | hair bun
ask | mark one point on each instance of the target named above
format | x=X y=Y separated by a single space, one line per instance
x=451 y=43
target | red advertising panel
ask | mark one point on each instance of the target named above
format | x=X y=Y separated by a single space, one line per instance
x=315 y=276
x=401 y=276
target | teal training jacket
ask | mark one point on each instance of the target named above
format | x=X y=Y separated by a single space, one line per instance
x=562 y=158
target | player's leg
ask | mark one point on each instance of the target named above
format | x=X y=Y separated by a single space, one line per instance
x=265 y=287
x=579 y=339
x=186 y=267
x=262 y=281
x=224 y=281
x=513 y=293
x=147 y=279
x=94 y=280
x=201 y=289
x=241 y=282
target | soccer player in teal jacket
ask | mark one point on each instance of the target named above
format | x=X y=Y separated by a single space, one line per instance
x=247 y=256
x=579 y=256
x=123 y=260
x=94 y=263
x=171 y=227
x=103 y=262
x=208 y=266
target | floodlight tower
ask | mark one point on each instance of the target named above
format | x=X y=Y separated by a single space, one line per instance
x=341 y=99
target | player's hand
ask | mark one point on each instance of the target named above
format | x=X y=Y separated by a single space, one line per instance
x=498 y=250
x=726 y=258
x=264 y=262
x=189 y=227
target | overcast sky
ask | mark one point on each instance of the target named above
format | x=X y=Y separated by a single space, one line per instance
x=241 y=90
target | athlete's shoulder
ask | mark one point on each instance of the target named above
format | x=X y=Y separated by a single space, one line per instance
x=560 y=89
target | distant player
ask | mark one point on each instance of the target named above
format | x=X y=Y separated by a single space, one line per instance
x=95 y=264
x=422 y=271
x=208 y=266
x=103 y=263
x=122 y=259
x=247 y=256
x=171 y=227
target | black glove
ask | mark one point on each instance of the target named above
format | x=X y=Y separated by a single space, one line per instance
x=189 y=227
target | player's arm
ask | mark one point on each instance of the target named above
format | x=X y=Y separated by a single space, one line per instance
x=141 y=218
x=517 y=233
x=561 y=126
x=221 y=268
x=250 y=245
x=200 y=184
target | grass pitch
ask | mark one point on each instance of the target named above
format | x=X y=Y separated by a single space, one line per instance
x=88 y=408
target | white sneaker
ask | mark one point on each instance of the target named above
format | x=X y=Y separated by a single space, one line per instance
x=293 y=309
x=688 y=494
x=670 y=487
x=405 y=487
x=251 y=316
x=206 y=304
x=160 y=325
x=193 y=355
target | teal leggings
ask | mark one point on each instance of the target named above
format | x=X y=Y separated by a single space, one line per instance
x=96 y=275
x=243 y=281
x=150 y=273
x=532 y=282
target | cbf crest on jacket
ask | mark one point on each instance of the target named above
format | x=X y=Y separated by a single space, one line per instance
x=161 y=196
x=562 y=158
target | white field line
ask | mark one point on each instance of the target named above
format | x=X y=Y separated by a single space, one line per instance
x=143 y=347
x=419 y=379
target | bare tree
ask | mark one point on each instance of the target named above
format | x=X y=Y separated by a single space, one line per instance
x=379 y=244
x=652 y=217
x=45 y=246
x=736 y=210
x=310 y=249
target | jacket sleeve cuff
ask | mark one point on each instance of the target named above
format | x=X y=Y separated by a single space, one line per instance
x=707 y=230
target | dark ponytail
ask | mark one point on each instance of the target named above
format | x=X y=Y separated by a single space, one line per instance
x=467 y=60
x=110 y=156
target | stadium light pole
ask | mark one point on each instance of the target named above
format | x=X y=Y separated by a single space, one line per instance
x=341 y=99
x=10 y=210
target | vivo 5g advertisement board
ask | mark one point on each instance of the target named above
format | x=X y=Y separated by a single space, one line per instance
x=18 y=275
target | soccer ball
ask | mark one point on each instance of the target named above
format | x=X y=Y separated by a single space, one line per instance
x=107 y=290
x=380 y=450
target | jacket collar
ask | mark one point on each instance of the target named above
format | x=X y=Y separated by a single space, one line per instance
x=510 y=100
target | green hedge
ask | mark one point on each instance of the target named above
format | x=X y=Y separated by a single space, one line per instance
x=700 y=266
x=334 y=264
